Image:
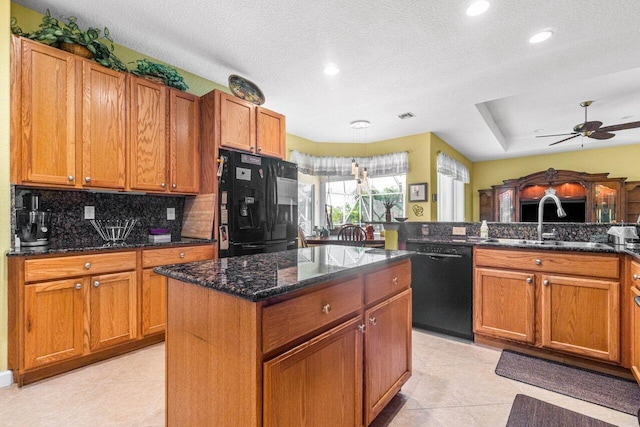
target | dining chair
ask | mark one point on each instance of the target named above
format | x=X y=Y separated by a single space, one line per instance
x=352 y=235
x=302 y=239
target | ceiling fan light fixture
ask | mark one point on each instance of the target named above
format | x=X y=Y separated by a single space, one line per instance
x=360 y=124
x=331 y=69
x=541 y=36
x=478 y=7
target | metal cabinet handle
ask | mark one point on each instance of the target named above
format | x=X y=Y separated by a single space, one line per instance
x=259 y=148
x=538 y=262
x=96 y=283
x=87 y=265
x=545 y=282
x=181 y=254
x=637 y=300
x=326 y=308
x=174 y=186
x=71 y=177
x=78 y=285
x=362 y=328
x=87 y=179
x=395 y=280
x=373 y=320
x=163 y=185
x=529 y=280
x=636 y=277
x=252 y=147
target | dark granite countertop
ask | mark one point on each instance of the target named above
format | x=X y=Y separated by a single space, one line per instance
x=262 y=276
x=54 y=250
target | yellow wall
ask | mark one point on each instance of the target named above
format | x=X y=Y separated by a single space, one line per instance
x=620 y=161
x=5 y=189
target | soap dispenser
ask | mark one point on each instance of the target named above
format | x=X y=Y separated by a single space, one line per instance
x=484 y=230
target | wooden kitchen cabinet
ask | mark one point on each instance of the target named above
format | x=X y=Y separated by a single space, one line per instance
x=112 y=309
x=104 y=118
x=387 y=352
x=184 y=142
x=504 y=304
x=319 y=382
x=572 y=298
x=237 y=119
x=44 y=87
x=53 y=328
x=270 y=133
x=635 y=333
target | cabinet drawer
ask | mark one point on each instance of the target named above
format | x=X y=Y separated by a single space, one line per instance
x=387 y=281
x=62 y=267
x=634 y=274
x=294 y=318
x=581 y=264
x=166 y=256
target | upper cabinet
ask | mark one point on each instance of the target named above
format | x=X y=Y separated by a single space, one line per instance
x=78 y=124
x=242 y=125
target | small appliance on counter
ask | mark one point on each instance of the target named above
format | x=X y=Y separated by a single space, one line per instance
x=33 y=224
x=622 y=235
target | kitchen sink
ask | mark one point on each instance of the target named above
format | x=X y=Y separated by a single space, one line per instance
x=559 y=243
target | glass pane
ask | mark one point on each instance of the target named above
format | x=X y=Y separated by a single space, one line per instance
x=605 y=203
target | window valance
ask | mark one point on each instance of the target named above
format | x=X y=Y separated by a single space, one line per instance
x=385 y=164
x=452 y=168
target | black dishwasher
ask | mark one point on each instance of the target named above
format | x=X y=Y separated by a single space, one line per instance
x=442 y=286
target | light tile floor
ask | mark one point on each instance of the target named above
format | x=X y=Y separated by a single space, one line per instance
x=453 y=384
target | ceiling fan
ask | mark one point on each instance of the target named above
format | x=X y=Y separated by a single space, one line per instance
x=592 y=129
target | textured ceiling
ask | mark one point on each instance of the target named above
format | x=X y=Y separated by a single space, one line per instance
x=474 y=81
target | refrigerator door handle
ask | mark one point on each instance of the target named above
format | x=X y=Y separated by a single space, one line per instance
x=275 y=199
x=267 y=204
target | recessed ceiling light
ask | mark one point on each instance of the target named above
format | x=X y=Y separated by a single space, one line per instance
x=541 y=36
x=331 y=69
x=360 y=124
x=478 y=7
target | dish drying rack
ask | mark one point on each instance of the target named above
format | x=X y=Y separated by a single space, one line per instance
x=114 y=231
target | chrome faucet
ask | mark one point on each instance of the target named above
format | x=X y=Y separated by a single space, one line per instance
x=549 y=193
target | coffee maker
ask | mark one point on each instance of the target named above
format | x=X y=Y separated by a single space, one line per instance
x=33 y=224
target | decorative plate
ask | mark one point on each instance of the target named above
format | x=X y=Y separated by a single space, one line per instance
x=245 y=89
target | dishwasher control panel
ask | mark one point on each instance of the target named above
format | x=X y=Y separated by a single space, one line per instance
x=444 y=249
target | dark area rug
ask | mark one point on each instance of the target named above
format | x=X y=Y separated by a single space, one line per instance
x=595 y=387
x=529 y=412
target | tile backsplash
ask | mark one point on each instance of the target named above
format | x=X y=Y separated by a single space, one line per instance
x=69 y=229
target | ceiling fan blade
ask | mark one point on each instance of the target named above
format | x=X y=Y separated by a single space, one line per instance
x=557 y=134
x=601 y=135
x=622 y=126
x=563 y=140
x=587 y=126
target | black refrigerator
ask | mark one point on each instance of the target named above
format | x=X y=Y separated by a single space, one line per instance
x=257 y=204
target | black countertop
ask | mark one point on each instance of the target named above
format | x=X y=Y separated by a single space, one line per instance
x=262 y=276
x=52 y=249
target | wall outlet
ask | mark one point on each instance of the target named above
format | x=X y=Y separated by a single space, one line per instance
x=459 y=231
x=171 y=214
x=89 y=212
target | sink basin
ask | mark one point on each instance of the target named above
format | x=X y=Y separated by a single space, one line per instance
x=559 y=243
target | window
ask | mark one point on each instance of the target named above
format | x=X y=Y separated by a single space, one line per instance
x=452 y=176
x=305 y=207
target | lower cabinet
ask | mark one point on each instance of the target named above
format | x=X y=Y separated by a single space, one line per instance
x=560 y=301
x=635 y=333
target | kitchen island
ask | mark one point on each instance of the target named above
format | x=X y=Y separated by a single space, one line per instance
x=314 y=336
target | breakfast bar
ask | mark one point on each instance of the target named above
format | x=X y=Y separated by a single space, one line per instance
x=314 y=336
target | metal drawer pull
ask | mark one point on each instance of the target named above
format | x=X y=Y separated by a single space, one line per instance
x=326 y=308
x=362 y=328
x=87 y=265
x=636 y=277
x=545 y=282
x=529 y=280
x=373 y=320
x=637 y=300
x=87 y=179
x=174 y=185
x=181 y=254
x=538 y=262
x=78 y=285
x=71 y=177
x=395 y=280
x=163 y=185
x=96 y=283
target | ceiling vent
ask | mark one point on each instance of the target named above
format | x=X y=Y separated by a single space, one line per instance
x=405 y=116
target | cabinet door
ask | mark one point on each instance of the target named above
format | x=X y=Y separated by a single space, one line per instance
x=148 y=151
x=635 y=333
x=318 y=383
x=53 y=321
x=184 y=122
x=103 y=126
x=581 y=316
x=48 y=116
x=154 y=302
x=504 y=304
x=271 y=136
x=237 y=123
x=387 y=352
x=112 y=309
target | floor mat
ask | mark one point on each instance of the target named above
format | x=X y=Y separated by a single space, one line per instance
x=528 y=412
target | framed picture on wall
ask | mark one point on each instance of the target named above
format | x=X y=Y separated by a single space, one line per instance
x=418 y=192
